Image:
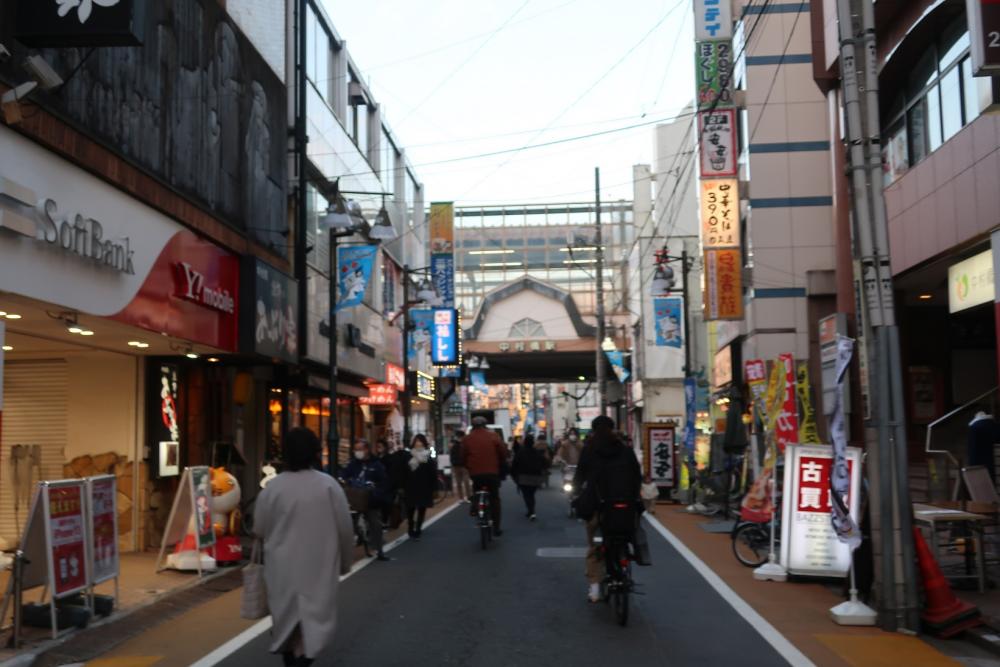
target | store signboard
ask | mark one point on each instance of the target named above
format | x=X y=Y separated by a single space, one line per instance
x=164 y=418
x=395 y=375
x=984 y=28
x=379 y=394
x=970 y=282
x=424 y=384
x=66 y=534
x=713 y=74
x=669 y=321
x=201 y=490
x=445 y=345
x=660 y=443
x=786 y=428
x=272 y=299
x=712 y=19
x=421 y=325
x=102 y=517
x=720 y=213
x=723 y=284
x=92 y=23
x=722 y=368
x=717 y=142
x=442 y=238
x=809 y=544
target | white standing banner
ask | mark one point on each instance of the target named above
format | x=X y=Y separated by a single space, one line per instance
x=809 y=544
x=102 y=519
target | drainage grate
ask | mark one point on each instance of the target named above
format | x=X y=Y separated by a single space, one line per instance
x=562 y=552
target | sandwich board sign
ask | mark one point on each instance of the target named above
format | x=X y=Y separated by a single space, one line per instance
x=189 y=527
x=102 y=520
x=54 y=544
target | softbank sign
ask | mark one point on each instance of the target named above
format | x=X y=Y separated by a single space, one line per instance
x=191 y=286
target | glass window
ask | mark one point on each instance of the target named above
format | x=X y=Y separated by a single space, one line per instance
x=970 y=91
x=934 y=119
x=322 y=57
x=954 y=43
x=361 y=129
x=312 y=28
x=895 y=157
x=924 y=72
x=951 y=103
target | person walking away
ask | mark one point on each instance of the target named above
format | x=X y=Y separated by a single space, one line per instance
x=396 y=465
x=569 y=448
x=610 y=470
x=984 y=433
x=649 y=492
x=459 y=473
x=366 y=472
x=303 y=520
x=528 y=471
x=421 y=479
x=485 y=458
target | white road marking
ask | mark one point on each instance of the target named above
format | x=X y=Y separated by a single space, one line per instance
x=263 y=625
x=778 y=642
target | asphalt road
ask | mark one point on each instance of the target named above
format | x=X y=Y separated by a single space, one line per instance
x=444 y=601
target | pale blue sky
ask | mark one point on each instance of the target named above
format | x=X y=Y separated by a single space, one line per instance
x=450 y=84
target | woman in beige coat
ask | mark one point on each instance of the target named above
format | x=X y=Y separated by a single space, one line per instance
x=303 y=518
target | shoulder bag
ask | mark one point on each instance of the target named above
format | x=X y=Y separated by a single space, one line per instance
x=253 y=600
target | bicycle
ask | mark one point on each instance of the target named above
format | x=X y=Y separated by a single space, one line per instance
x=484 y=517
x=618 y=583
x=752 y=542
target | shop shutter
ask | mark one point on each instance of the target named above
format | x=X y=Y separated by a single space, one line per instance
x=35 y=407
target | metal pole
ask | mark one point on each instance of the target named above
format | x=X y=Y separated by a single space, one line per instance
x=897 y=604
x=405 y=394
x=602 y=389
x=301 y=142
x=687 y=312
x=332 y=436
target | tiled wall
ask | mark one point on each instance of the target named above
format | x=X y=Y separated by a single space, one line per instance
x=790 y=229
x=949 y=199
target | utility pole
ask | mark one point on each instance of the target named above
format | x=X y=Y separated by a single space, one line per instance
x=405 y=394
x=891 y=520
x=602 y=389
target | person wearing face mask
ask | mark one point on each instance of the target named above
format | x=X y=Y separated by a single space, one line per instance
x=570 y=448
x=365 y=471
x=421 y=479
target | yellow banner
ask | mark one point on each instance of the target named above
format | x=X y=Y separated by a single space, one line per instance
x=442 y=224
x=808 y=434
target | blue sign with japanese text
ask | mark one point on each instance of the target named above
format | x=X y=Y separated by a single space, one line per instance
x=690 y=408
x=443 y=273
x=444 y=337
x=421 y=321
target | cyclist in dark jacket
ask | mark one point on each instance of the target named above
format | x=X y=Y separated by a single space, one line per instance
x=365 y=471
x=611 y=468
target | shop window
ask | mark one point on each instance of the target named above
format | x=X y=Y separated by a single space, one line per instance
x=318 y=55
x=939 y=99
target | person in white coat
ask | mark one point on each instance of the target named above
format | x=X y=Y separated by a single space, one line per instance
x=305 y=524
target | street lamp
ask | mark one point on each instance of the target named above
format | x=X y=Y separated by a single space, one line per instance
x=344 y=219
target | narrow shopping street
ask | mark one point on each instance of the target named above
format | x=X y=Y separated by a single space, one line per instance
x=443 y=601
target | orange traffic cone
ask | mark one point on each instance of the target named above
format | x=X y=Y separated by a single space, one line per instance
x=944 y=614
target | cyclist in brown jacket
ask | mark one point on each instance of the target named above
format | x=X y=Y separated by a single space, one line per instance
x=486 y=460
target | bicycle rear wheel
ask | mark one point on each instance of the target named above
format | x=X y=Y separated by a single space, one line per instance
x=751 y=545
x=619 y=602
x=484 y=536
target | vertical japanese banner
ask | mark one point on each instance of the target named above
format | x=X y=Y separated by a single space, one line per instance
x=3 y=342
x=808 y=433
x=717 y=139
x=755 y=373
x=720 y=213
x=786 y=426
x=844 y=524
x=690 y=416
x=419 y=338
x=661 y=449
x=354 y=272
x=757 y=503
x=201 y=494
x=67 y=537
x=723 y=284
x=713 y=74
x=442 y=238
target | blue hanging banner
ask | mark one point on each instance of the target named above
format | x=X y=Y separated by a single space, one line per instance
x=354 y=272
x=617 y=360
x=421 y=321
x=443 y=272
x=690 y=412
x=669 y=318
x=478 y=379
